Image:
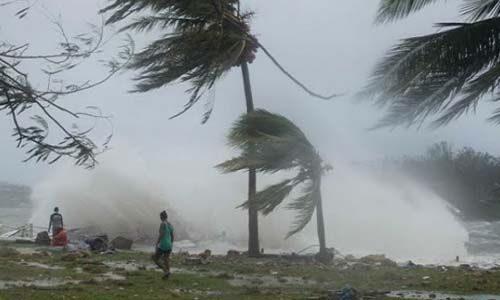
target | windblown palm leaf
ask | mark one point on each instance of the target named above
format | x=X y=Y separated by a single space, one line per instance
x=271 y=143
x=480 y=9
x=205 y=39
x=305 y=205
x=444 y=74
x=391 y=10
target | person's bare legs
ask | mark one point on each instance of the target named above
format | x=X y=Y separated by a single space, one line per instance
x=156 y=257
x=162 y=260
x=166 y=265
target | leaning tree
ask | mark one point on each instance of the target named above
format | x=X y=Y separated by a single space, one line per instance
x=445 y=74
x=199 y=42
x=270 y=143
x=32 y=99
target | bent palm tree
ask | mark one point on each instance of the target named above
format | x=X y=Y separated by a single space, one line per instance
x=446 y=73
x=202 y=40
x=270 y=143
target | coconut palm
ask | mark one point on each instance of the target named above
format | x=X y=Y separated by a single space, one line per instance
x=444 y=74
x=201 y=41
x=271 y=143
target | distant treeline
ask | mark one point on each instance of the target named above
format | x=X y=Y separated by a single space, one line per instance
x=466 y=178
x=13 y=195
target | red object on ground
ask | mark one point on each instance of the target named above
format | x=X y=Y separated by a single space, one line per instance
x=61 y=239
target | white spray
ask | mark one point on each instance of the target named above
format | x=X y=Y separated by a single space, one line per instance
x=364 y=215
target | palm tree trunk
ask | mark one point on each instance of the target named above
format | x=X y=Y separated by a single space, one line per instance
x=323 y=252
x=253 y=222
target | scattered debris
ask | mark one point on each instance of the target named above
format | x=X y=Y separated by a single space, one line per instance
x=347 y=293
x=121 y=243
x=192 y=260
x=411 y=264
x=378 y=260
x=42 y=239
x=233 y=254
x=350 y=258
x=98 y=243
x=206 y=254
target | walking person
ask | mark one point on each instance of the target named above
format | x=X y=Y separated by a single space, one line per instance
x=164 y=245
x=56 y=222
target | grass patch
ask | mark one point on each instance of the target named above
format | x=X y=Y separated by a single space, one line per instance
x=213 y=281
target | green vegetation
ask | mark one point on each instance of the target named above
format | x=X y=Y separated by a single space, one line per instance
x=235 y=277
x=466 y=178
x=270 y=143
x=443 y=74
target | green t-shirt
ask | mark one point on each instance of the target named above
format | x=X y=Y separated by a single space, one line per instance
x=166 y=231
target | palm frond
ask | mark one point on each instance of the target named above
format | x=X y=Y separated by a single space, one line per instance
x=262 y=124
x=423 y=76
x=270 y=143
x=264 y=159
x=272 y=196
x=204 y=40
x=480 y=9
x=391 y=10
x=472 y=93
x=304 y=206
x=121 y=9
x=162 y=21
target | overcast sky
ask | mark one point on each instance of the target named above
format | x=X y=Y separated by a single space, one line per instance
x=331 y=46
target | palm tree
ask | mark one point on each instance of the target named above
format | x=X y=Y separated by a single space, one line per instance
x=271 y=143
x=444 y=74
x=202 y=40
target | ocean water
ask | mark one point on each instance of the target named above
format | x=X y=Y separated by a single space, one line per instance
x=483 y=244
x=13 y=217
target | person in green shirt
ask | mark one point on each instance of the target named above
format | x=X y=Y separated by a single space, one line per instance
x=164 y=245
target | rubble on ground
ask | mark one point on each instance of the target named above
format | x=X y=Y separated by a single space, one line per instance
x=378 y=259
x=200 y=259
x=98 y=243
x=42 y=239
x=121 y=243
x=233 y=254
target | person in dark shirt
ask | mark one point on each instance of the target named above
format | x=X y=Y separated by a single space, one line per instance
x=164 y=245
x=56 y=222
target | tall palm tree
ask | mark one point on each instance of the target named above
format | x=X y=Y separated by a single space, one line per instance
x=270 y=143
x=201 y=41
x=444 y=74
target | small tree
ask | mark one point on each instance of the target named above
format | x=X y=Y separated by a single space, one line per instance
x=271 y=143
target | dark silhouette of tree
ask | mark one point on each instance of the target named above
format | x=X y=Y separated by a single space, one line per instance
x=33 y=109
x=466 y=178
x=270 y=143
x=444 y=74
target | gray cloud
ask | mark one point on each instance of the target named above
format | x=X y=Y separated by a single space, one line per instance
x=331 y=46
